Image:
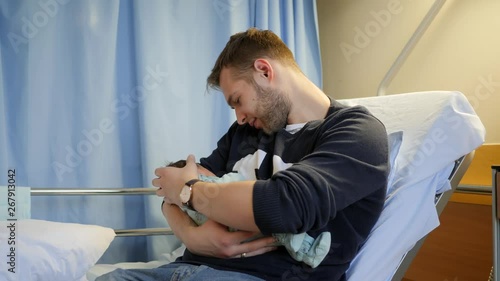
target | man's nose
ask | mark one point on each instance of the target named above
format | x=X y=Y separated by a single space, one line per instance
x=240 y=117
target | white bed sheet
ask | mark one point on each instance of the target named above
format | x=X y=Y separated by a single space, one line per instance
x=438 y=128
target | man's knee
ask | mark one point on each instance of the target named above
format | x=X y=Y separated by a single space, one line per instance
x=115 y=275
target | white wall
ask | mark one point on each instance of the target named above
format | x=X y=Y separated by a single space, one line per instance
x=360 y=39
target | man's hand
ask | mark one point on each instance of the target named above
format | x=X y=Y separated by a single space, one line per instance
x=170 y=180
x=213 y=239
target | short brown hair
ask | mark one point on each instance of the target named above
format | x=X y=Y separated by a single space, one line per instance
x=244 y=48
x=179 y=164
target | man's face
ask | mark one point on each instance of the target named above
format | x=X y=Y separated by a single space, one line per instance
x=265 y=109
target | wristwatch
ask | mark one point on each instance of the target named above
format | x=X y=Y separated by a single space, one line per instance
x=186 y=194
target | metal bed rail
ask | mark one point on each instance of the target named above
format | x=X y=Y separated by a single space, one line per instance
x=40 y=191
x=407 y=49
x=144 y=232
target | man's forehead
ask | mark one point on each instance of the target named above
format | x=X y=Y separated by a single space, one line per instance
x=224 y=80
x=227 y=81
x=225 y=75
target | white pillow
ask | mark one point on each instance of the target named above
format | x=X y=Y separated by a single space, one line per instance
x=46 y=250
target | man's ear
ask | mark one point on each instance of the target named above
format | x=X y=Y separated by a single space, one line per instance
x=263 y=70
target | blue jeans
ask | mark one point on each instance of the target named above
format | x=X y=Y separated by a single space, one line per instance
x=176 y=272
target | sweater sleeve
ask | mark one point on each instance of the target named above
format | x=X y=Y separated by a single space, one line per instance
x=348 y=162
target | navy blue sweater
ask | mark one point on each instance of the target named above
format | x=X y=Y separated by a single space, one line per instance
x=331 y=175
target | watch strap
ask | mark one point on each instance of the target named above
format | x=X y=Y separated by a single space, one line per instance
x=191 y=182
x=189 y=203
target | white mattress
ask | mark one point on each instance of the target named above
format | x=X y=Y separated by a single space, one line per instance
x=438 y=128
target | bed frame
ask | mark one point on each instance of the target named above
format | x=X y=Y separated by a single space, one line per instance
x=441 y=200
x=495 y=208
x=109 y=191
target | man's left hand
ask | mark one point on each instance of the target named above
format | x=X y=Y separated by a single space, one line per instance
x=170 y=180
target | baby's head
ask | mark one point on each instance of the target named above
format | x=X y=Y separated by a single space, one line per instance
x=201 y=170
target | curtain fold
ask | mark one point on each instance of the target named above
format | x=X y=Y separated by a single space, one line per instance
x=100 y=93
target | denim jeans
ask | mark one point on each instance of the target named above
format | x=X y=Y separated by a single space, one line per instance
x=176 y=272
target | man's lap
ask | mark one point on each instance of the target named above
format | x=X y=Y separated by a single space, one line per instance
x=176 y=272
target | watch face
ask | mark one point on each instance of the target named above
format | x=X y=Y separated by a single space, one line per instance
x=185 y=194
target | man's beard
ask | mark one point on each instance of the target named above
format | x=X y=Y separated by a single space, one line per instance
x=273 y=107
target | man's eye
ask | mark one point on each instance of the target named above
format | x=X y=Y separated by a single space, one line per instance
x=235 y=102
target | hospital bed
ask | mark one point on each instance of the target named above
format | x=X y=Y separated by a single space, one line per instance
x=432 y=138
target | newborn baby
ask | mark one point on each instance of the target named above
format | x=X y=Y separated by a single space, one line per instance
x=301 y=247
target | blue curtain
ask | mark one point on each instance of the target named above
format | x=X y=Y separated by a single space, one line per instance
x=100 y=93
